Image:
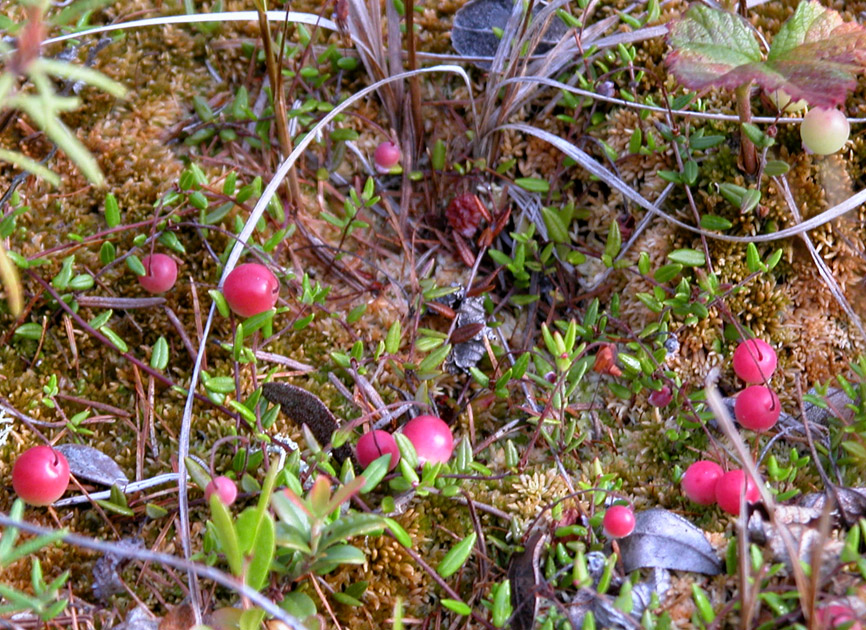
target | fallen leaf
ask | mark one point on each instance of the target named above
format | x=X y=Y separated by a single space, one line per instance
x=85 y=462
x=472 y=34
x=665 y=540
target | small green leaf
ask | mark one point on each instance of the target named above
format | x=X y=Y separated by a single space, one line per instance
x=112 y=211
x=135 y=265
x=159 y=354
x=114 y=338
x=715 y=222
x=533 y=184
x=456 y=556
x=688 y=257
x=456 y=606
x=392 y=339
x=557 y=230
x=226 y=535
x=776 y=167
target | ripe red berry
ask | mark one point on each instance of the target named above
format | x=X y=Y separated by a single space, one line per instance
x=386 y=156
x=729 y=488
x=251 y=289
x=757 y=408
x=618 y=521
x=662 y=397
x=161 y=273
x=372 y=445
x=754 y=361
x=40 y=475
x=699 y=482
x=431 y=438
x=224 y=488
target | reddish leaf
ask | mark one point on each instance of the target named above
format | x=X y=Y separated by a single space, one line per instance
x=814 y=56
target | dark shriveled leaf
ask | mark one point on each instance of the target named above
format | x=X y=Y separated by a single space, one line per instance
x=814 y=56
x=303 y=407
x=665 y=540
x=85 y=462
x=473 y=36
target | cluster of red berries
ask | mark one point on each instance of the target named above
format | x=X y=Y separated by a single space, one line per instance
x=249 y=289
x=757 y=407
x=431 y=437
x=706 y=483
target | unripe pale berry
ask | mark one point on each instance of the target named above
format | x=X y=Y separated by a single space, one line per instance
x=782 y=100
x=160 y=273
x=224 y=488
x=699 y=482
x=431 y=438
x=618 y=521
x=757 y=408
x=754 y=361
x=824 y=131
x=730 y=487
x=40 y=475
x=251 y=289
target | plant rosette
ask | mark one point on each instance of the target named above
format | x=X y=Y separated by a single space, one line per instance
x=40 y=475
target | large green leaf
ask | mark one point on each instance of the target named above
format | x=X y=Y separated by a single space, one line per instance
x=814 y=56
x=263 y=553
x=345 y=527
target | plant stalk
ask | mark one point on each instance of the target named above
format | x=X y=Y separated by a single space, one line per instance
x=748 y=152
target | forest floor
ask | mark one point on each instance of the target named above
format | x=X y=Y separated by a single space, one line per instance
x=552 y=270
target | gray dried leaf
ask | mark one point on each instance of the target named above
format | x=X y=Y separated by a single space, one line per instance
x=658 y=582
x=472 y=34
x=139 y=618
x=106 y=570
x=666 y=540
x=525 y=575
x=85 y=462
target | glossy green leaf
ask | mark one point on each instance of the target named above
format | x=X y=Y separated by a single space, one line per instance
x=456 y=556
x=228 y=537
x=688 y=257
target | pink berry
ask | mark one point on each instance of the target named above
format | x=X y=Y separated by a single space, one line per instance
x=40 y=475
x=754 y=361
x=729 y=488
x=251 y=289
x=618 y=521
x=835 y=616
x=662 y=397
x=431 y=438
x=386 y=156
x=161 y=273
x=757 y=408
x=699 y=482
x=372 y=445
x=224 y=488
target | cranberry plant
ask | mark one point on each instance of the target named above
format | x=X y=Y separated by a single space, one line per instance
x=813 y=57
